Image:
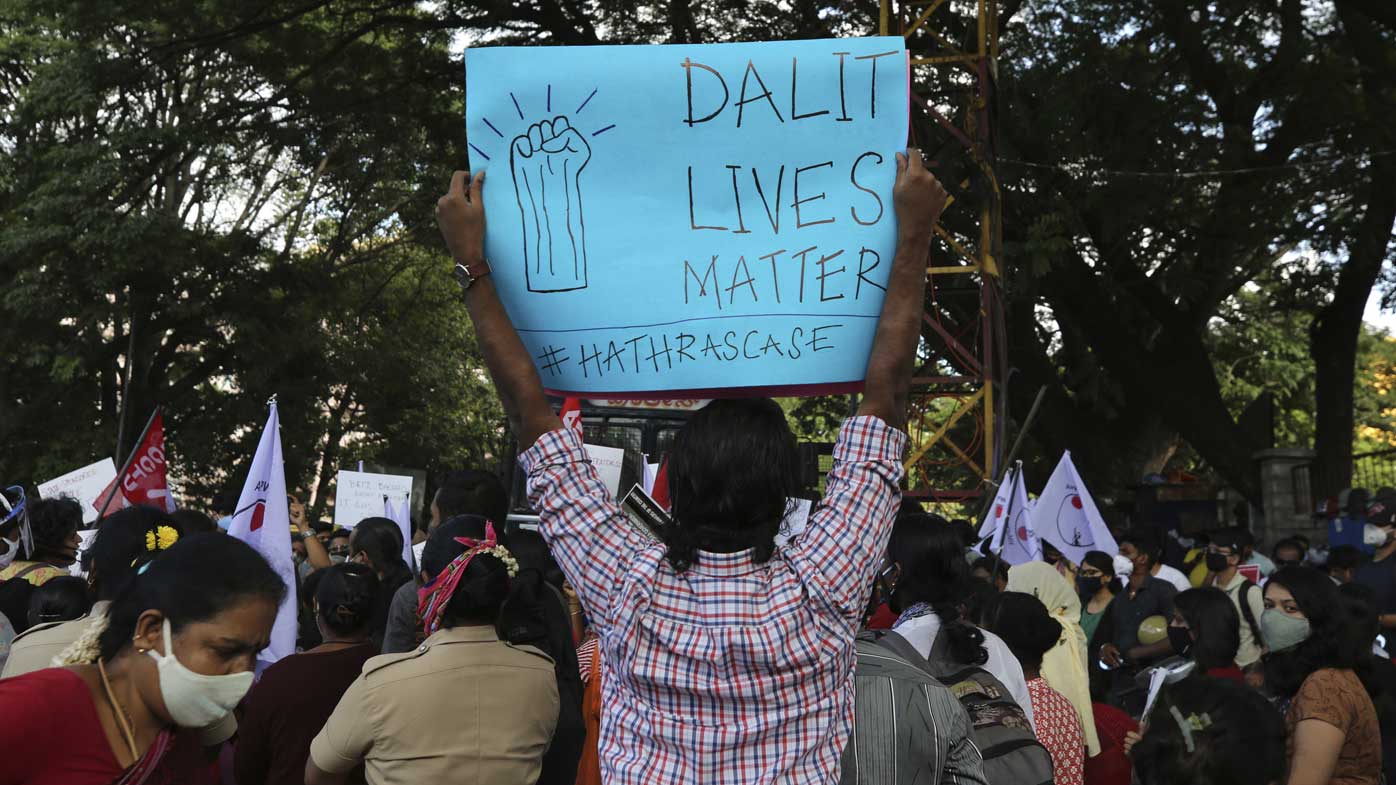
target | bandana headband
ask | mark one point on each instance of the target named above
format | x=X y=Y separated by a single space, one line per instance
x=433 y=598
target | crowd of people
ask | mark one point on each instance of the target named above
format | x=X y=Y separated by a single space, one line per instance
x=881 y=645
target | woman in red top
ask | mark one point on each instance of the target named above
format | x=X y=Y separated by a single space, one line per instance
x=174 y=651
x=1206 y=629
x=1030 y=632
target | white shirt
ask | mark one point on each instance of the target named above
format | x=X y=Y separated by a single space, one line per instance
x=921 y=632
x=1173 y=576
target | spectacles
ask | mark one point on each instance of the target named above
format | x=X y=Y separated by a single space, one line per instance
x=339 y=551
x=1220 y=550
x=1091 y=573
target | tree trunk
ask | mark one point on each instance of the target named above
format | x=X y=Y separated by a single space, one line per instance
x=1334 y=333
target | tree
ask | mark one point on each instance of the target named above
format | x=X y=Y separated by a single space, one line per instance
x=202 y=204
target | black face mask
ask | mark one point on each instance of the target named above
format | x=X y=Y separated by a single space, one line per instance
x=1089 y=586
x=1216 y=562
x=1180 y=638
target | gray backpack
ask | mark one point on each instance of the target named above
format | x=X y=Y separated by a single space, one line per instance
x=1001 y=731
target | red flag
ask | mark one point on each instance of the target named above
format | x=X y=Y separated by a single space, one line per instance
x=143 y=480
x=661 y=485
x=571 y=415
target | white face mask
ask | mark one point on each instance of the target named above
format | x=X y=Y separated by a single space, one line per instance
x=193 y=699
x=11 y=551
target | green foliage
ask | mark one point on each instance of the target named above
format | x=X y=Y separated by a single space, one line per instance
x=203 y=204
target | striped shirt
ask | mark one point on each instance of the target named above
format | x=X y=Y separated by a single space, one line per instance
x=908 y=727
x=732 y=672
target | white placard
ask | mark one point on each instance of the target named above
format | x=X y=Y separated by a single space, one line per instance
x=607 y=461
x=359 y=495
x=86 y=536
x=84 y=484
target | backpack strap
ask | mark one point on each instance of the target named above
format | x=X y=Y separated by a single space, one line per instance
x=898 y=644
x=1243 y=594
x=27 y=570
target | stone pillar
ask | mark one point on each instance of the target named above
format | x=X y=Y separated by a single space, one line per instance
x=1287 y=497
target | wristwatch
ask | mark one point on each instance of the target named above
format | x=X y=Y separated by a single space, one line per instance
x=468 y=274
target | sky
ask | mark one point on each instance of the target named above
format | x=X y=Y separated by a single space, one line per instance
x=1377 y=317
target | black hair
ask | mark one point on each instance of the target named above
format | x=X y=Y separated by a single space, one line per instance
x=980 y=592
x=531 y=551
x=322 y=527
x=192 y=522
x=1145 y=542
x=1288 y=542
x=1241 y=740
x=381 y=540
x=52 y=522
x=341 y=532
x=1106 y=564
x=1025 y=624
x=59 y=599
x=1344 y=557
x=1360 y=604
x=934 y=571
x=483 y=586
x=118 y=549
x=199 y=577
x=733 y=468
x=1213 y=619
x=966 y=531
x=309 y=584
x=1331 y=642
x=473 y=492
x=991 y=565
x=441 y=546
x=347 y=595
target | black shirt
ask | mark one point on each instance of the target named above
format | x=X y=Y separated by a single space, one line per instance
x=1154 y=598
x=1380 y=577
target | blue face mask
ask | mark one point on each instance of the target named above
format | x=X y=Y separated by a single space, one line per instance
x=1282 y=631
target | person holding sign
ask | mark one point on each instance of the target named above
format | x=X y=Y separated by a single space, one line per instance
x=725 y=657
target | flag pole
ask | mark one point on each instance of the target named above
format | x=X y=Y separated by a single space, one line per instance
x=126 y=464
x=1013 y=451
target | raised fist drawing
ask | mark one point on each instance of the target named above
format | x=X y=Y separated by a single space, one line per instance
x=547 y=163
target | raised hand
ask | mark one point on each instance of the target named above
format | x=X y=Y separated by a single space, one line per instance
x=917 y=196
x=547 y=163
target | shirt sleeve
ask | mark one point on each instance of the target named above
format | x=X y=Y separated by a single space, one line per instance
x=1325 y=696
x=402 y=620
x=347 y=736
x=592 y=540
x=847 y=532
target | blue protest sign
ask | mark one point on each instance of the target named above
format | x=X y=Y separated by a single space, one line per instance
x=691 y=218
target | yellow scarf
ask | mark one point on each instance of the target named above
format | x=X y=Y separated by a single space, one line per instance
x=1064 y=665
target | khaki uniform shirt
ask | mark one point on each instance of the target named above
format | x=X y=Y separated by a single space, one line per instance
x=36 y=647
x=462 y=707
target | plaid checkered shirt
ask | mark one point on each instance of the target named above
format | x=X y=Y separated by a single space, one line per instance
x=732 y=672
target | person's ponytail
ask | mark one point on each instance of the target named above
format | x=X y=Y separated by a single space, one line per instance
x=966 y=640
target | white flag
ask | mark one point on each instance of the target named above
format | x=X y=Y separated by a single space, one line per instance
x=1009 y=523
x=403 y=518
x=1066 y=515
x=263 y=520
